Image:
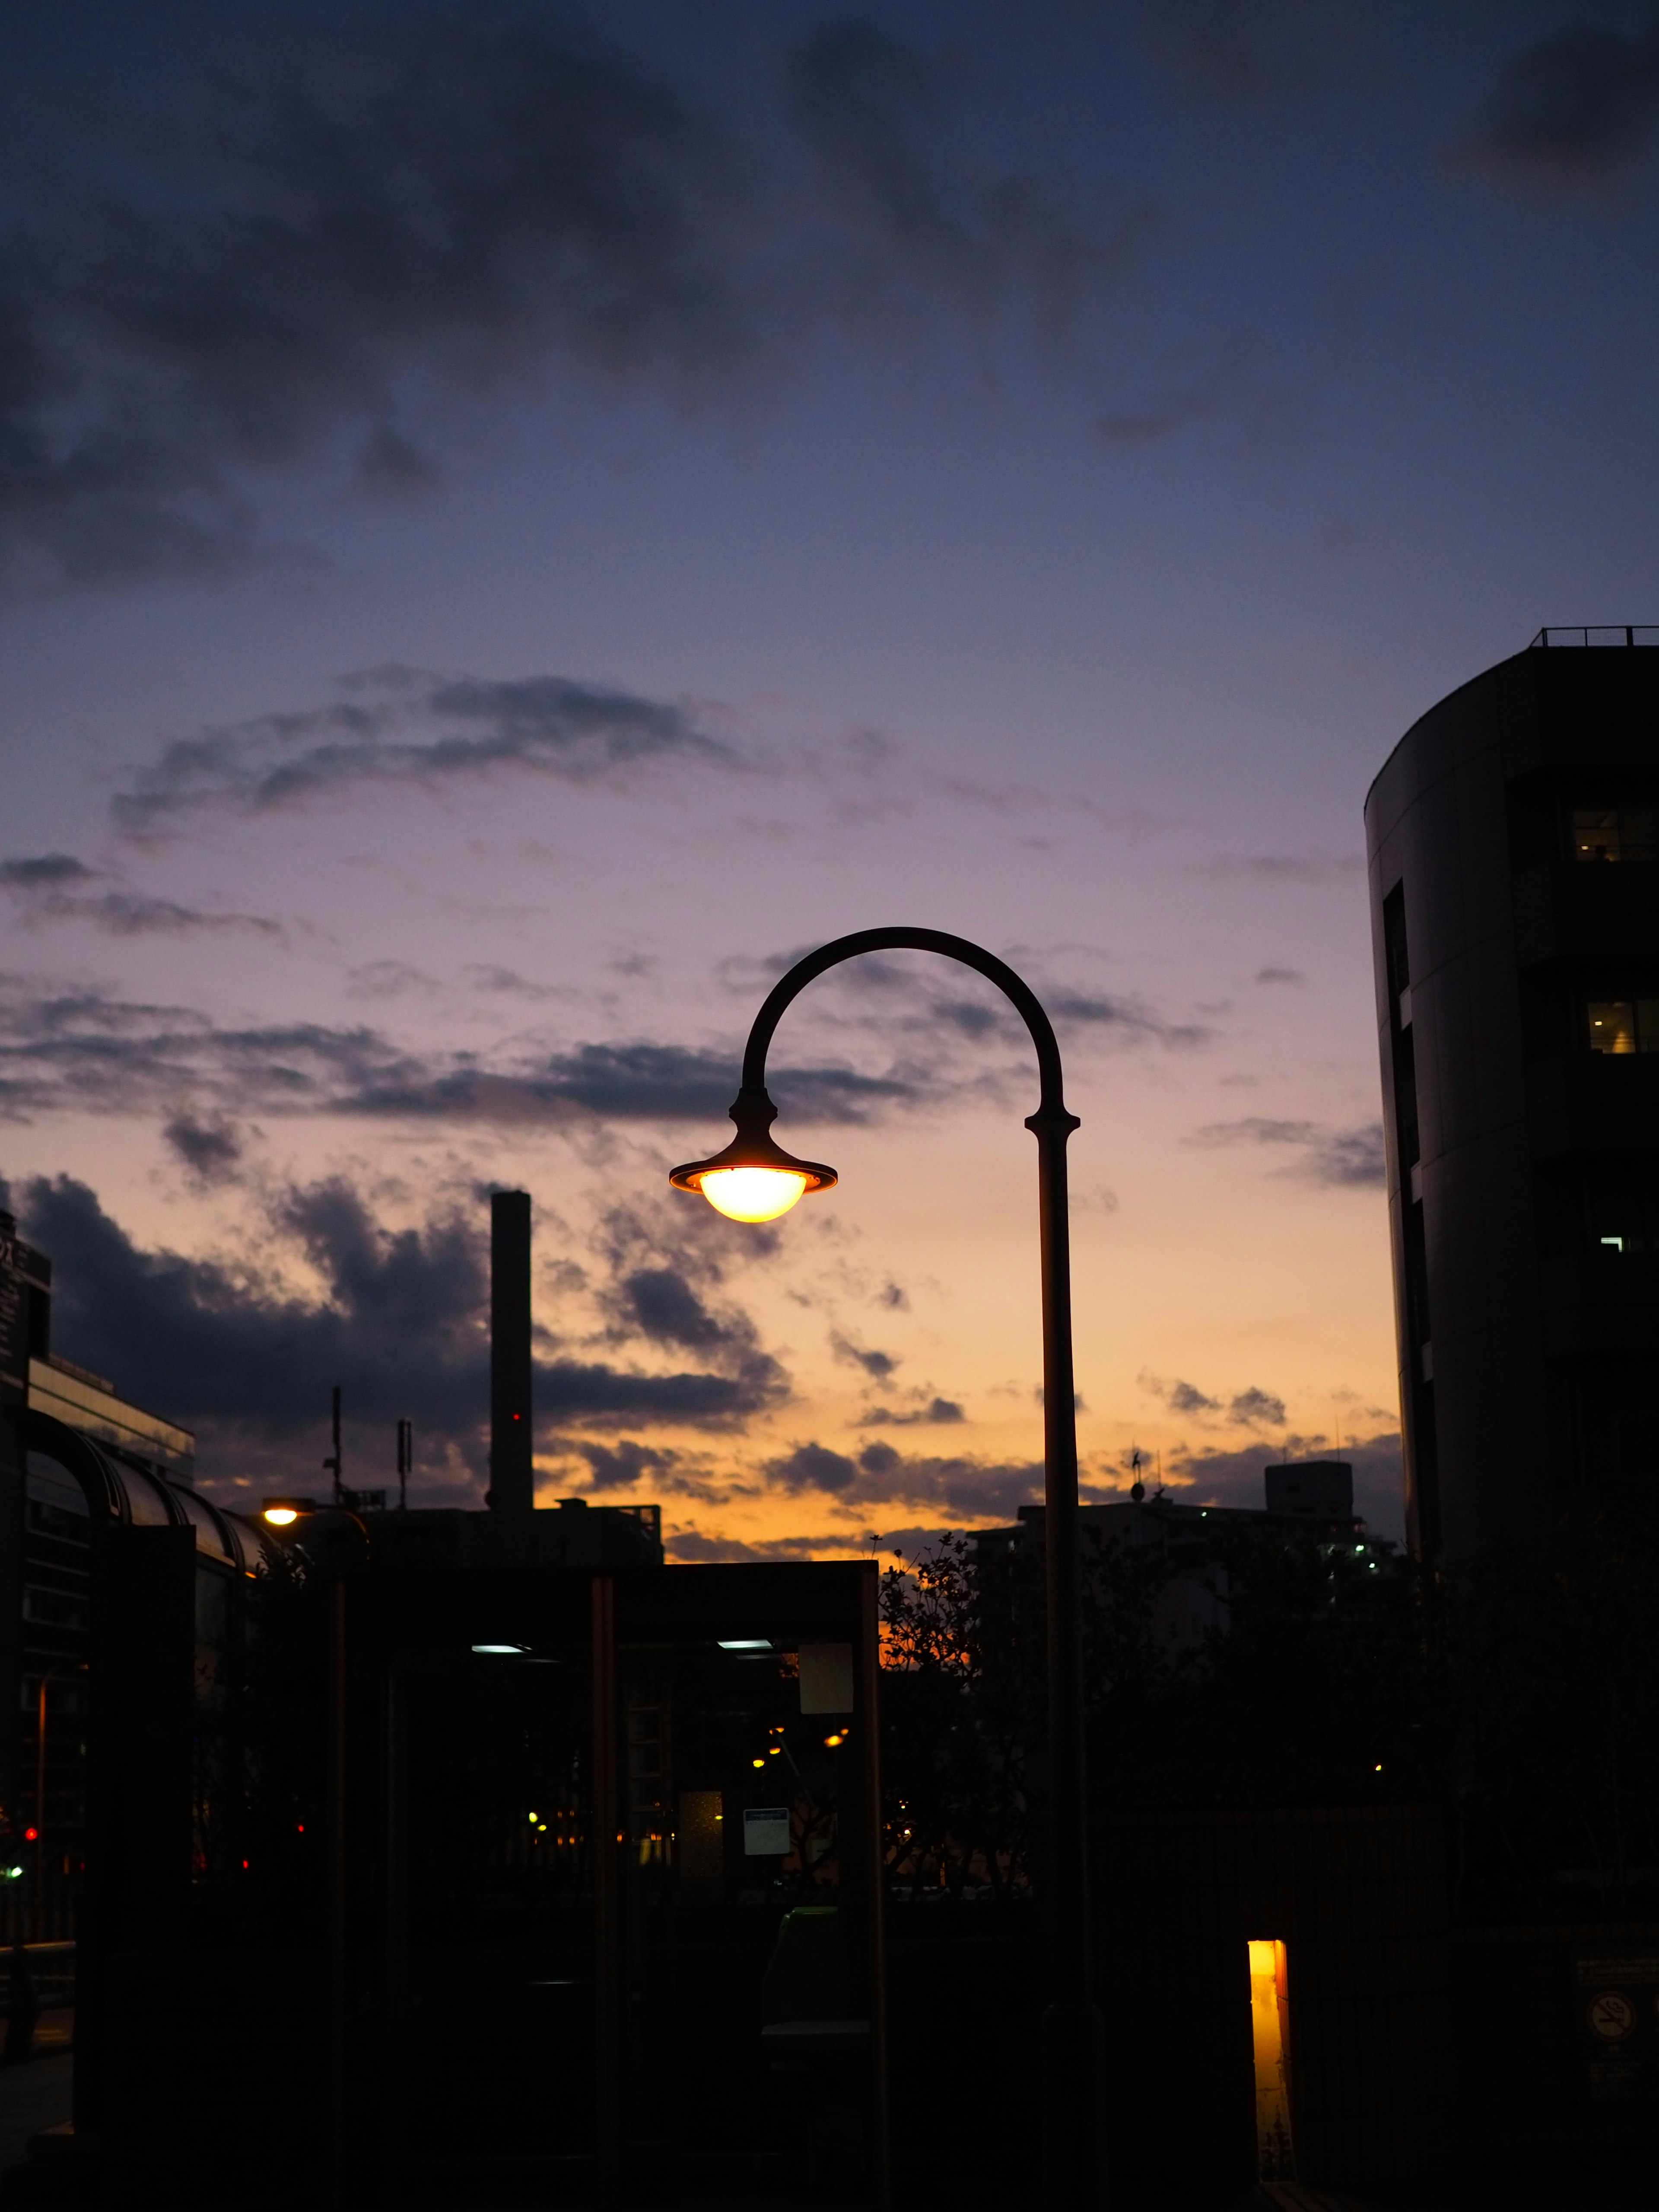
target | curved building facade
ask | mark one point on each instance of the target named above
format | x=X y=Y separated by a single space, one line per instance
x=1513 y=843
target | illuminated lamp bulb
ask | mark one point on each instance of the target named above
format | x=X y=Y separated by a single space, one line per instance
x=758 y=1762
x=751 y=1194
x=754 y=1179
x=280 y=1516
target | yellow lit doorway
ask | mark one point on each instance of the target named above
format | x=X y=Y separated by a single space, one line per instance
x=1271 y=2040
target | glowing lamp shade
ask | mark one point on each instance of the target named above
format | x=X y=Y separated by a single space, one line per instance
x=754 y=1179
x=751 y=1194
x=283 y=1512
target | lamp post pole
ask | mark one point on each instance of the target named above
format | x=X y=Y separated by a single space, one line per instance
x=1073 y=2132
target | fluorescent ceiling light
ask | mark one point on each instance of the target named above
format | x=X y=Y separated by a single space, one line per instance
x=745 y=1643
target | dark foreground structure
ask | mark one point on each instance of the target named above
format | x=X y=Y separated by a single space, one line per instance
x=1514 y=851
x=471 y=1858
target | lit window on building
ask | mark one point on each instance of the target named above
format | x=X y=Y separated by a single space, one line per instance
x=1615 y=833
x=1623 y=1024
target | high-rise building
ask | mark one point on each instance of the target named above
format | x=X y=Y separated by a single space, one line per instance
x=1513 y=838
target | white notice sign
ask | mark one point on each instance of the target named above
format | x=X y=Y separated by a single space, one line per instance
x=765 y=1831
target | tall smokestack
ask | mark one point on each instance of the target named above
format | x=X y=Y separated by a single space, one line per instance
x=512 y=1478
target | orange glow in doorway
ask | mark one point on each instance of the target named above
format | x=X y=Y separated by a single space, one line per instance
x=1270 y=2036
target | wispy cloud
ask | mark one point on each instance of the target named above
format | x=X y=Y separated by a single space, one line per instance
x=1283 y=867
x=938 y=1413
x=1335 y=1159
x=405 y=726
x=88 y=1051
x=860 y=98
x=56 y=887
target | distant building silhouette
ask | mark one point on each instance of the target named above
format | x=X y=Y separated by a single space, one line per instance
x=1513 y=837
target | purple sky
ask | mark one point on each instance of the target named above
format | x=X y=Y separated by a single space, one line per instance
x=516 y=521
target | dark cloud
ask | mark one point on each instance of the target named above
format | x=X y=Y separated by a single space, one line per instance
x=940 y=1413
x=1335 y=1159
x=620 y=1466
x=1180 y=1397
x=399 y=1322
x=813 y=1467
x=636 y=1082
x=88 y=1051
x=408 y=726
x=660 y=1305
x=1253 y=1406
x=1286 y=867
x=1239 y=49
x=926 y=993
x=40 y=890
x=879 y=1365
x=1257 y=1408
x=881 y=1474
x=260 y=267
x=1129 y=1017
x=1571 y=113
x=47 y=870
x=1187 y=1398
x=863 y=102
x=319 y=233
x=1270 y=975
x=691 y=1546
x=211 y=1149
x=1235 y=1478
x=1143 y=429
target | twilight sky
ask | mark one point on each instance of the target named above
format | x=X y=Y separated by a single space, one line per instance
x=515 y=521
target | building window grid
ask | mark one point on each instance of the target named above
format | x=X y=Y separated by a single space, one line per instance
x=1623 y=833
x=1622 y=1026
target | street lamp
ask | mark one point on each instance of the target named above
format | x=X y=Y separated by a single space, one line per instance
x=754 y=1179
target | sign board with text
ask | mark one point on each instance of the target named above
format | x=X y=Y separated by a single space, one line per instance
x=1616 y=1997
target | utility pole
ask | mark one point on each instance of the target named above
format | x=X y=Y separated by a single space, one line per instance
x=332 y=1466
x=405 y=1462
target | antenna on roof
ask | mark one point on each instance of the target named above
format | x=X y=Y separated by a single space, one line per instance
x=1137 y=1488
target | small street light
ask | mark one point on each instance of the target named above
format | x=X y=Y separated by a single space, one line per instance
x=754 y=1179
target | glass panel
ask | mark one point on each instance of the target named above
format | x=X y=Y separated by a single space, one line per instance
x=1612 y=1025
x=1638 y=833
x=1595 y=834
x=208 y=1536
x=53 y=1484
x=145 y=1500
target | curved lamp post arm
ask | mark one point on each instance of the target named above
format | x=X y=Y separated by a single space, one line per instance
x=1014 y=988
x=1072 y=2131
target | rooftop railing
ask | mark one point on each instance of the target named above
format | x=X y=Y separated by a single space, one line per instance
x=1601 y=634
